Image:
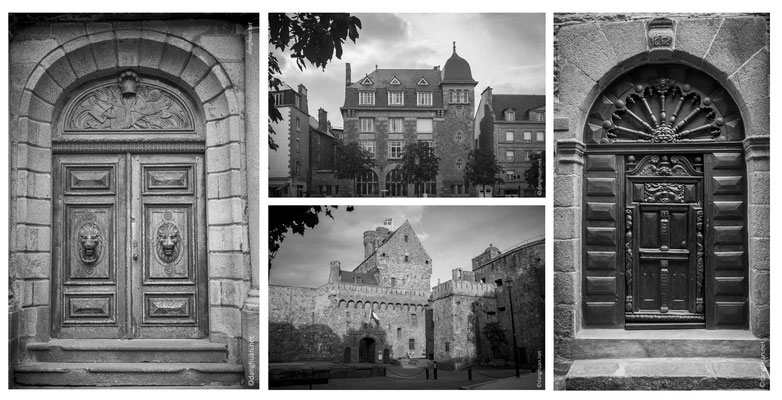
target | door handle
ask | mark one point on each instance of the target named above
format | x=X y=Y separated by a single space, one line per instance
x=135 y=256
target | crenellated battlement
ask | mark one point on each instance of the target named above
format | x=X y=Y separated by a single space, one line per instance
x=463 y=288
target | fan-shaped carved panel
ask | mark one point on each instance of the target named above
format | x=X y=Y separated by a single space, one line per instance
x=664 y=104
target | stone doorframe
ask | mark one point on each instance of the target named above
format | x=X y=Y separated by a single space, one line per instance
x=588 y=56
x=103 y=50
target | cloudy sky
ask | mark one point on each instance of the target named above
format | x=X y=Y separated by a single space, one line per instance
x=452 y=235
x=505 y=51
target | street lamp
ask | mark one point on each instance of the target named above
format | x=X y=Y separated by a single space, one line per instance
x=513 y=327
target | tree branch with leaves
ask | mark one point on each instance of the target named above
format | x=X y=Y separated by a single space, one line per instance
x=419 y=164
x=295 y=219
x=316 y=37
x=351 y=160
x=482 y=169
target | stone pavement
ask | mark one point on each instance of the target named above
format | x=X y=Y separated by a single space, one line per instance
x=370 y=377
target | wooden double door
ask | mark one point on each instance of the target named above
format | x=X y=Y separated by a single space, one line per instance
x=129 y=246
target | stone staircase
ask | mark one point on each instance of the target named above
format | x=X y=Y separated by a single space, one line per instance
x=667 y=359
x=136 y=362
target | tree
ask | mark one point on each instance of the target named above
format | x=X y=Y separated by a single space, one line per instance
x=481 y=169
x=419 y=164
x=296 y=219
x=496 y=336
x=535 y=175
x=317 y=37
x=351 y=161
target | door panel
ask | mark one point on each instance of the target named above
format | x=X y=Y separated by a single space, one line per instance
x=129 y=247
x=89 y=218
x=662 y=250
x=168 y=285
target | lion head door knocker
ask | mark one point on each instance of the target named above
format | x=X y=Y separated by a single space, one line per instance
x=169 y=245
x=90 y=245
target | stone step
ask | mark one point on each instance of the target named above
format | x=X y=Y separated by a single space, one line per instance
x=129 y=351
x=667 y=374
x=611 y=343
x=129 y=374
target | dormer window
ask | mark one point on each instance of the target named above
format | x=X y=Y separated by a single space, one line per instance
x=510 y=115
x=366 y=98
x=396 y=98
x=367 y=81
x=394 y=82
x=424 y=98
x=423 y=82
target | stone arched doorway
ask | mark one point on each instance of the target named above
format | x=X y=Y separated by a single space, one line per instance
x=366 y=350
x=665 y=213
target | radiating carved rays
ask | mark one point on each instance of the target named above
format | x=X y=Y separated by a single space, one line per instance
x=648 y=124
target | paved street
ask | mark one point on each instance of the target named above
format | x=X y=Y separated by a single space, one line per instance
x=409 y=379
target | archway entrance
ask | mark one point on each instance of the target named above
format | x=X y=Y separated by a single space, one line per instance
x=665 y=204
x=366 y=351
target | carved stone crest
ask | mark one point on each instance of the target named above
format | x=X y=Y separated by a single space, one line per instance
x=660 y=33
x=168 y=243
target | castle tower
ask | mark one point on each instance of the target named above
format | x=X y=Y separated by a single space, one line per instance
x=454 y=140
x=334 y=271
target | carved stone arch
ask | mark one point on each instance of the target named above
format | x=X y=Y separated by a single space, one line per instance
x=343 y=304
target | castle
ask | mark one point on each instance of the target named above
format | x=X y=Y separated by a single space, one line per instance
x=385 y=310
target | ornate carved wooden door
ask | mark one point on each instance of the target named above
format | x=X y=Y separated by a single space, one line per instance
x=664 y=242
x=664 y=206
x=129 y=246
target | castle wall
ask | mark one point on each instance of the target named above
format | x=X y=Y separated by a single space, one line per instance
x=525 y=266
x=461 y=309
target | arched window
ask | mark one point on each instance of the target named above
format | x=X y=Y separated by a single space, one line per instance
x=366 y=184
x=395 y=187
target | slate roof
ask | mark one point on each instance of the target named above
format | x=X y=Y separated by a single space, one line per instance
x=350 y=277
x=457 y=69
x=522 y=103
x=408 y=79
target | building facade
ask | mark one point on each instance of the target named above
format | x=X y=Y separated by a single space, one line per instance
x=289 y=164
x=384 y=310
x=133 y=146
x=390 y=108
x=661 y=202
x=512 y=127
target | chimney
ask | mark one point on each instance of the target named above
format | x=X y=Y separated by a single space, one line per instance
x=334 y=271
x=303 y=98
x=347 y=74
x=487 y=94
x=323 y=121
x=436 y=68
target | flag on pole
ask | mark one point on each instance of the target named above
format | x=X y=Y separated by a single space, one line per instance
x=389 y=222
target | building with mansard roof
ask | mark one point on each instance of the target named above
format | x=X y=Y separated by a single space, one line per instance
x=387 y=109
x=512 y=127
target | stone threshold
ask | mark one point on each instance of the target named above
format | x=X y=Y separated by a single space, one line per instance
x=666 y=334
x=667 y=373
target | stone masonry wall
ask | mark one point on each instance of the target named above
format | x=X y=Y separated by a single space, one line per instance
x=320 y=323
x=592 y=49
x=389 y=259
x=49 y=59
x=525 y=265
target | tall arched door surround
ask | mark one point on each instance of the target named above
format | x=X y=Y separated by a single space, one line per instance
x=129 y=222
x=664 y=204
